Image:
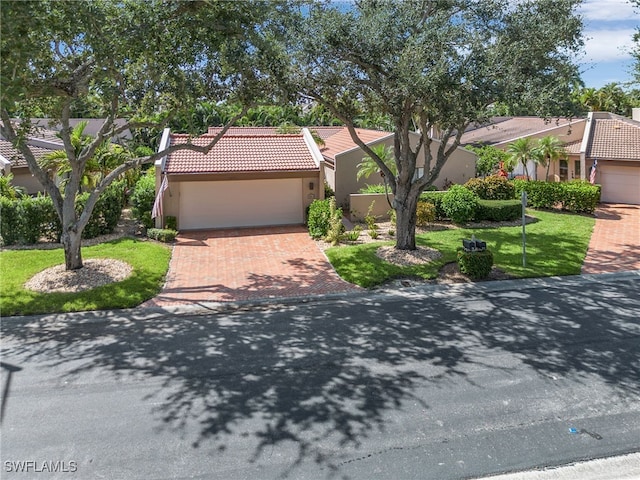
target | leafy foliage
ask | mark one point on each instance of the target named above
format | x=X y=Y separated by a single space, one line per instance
x=425 y=213
x=459 y=204
x=491 y=188
x=476 y=265
x=432 y=64
x=498 y=210
x=575 y=196
x=165 y=235
x=143 y=197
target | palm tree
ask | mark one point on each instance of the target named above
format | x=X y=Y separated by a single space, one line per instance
x=551 y=149
x=57 y=163
x=368 y=166
x=522 y=151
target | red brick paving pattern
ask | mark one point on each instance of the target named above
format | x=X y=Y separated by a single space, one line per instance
x=247 y=264
x=615 y=243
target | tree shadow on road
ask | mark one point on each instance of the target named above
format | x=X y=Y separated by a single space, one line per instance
x=307 y=376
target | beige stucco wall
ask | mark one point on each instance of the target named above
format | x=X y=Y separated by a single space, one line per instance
x=22 y=177
x=360 y=203
x=459 y=168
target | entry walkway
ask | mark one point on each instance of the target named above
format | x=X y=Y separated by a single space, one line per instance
x=615 y=243
x=247 y=264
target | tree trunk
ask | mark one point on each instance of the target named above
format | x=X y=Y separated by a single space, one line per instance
x=405 y=207
x=72 y=241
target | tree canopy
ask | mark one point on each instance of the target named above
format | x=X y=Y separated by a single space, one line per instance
x=434 y=64
x=142 y=62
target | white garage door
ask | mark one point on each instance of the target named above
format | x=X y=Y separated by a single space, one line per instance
x=240 y=203
x=620 y=184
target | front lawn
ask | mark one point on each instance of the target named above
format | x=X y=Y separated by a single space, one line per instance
x=150 y=261
x=556 y=245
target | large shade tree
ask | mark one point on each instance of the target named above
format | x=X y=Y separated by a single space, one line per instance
x=435 y=64
x=130 y=60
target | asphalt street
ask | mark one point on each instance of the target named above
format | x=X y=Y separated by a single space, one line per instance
x=440 y=382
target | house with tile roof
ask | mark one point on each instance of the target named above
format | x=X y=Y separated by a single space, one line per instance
x=42 y=143
x=342 y=156
x=249 y=178
x=610 y=141
x=43 y=140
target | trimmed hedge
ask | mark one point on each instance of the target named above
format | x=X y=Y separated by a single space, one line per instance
x=319 y=218
x=476 y=265
x=498 y=210
x=28 y=219
x=576 y=196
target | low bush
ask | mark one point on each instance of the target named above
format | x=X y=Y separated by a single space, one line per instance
x=459 y=204
x=543 y=195
x=165 y=235
x=171 y=222
x=435 y=198
x=498 y=210
x=318 y=218
x=476 y=265
x=354 y=234
x=378 y=188
x=425 y=213
x=492 y=188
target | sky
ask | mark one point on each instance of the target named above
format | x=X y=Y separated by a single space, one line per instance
x=609 y=26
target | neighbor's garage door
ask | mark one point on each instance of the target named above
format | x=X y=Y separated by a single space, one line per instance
x=620 y=184
x=240 y=203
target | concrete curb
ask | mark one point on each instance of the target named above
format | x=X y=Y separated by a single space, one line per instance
x=624 y=467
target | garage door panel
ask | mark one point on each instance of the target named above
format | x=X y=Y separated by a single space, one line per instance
x=620 y=184
x=240 y=203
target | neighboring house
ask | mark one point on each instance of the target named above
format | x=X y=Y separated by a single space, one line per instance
x=251 y=177
x=12 y=161
x=342 y=157
x=502 y=131
x=43 y=141
x=612 y=140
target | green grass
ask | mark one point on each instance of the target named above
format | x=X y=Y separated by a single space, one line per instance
x=150 y=262
x=556 y=245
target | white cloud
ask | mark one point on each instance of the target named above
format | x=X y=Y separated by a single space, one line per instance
x=608 y=45
x=609 y=11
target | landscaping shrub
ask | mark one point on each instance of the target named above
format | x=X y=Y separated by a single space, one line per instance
x=580 y=196
x=425 y=213
x=171 y=222
x=377 y=188
x=320 y=217
x=27 y=219
x=336 y=227
x=143 y=197
x=576 y=196
x=459 y=204
x=543 y=195
x=492 y=188
x=498 y=210
x=476 y=265
x=165 y=235
x=435 y=198
x=107 y=211
x=354 y=234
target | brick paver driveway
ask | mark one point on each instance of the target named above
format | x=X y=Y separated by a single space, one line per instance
x=615 y=243
x=247 y=264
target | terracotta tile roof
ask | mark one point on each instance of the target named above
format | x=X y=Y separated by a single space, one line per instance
x=15 y=157
x=573 y=148
x=244 y=131
x=614 y=138
x=242 y=153
x=507 y=129
x=341 y=141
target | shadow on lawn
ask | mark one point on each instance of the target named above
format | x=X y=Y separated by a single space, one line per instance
x=335 y=372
